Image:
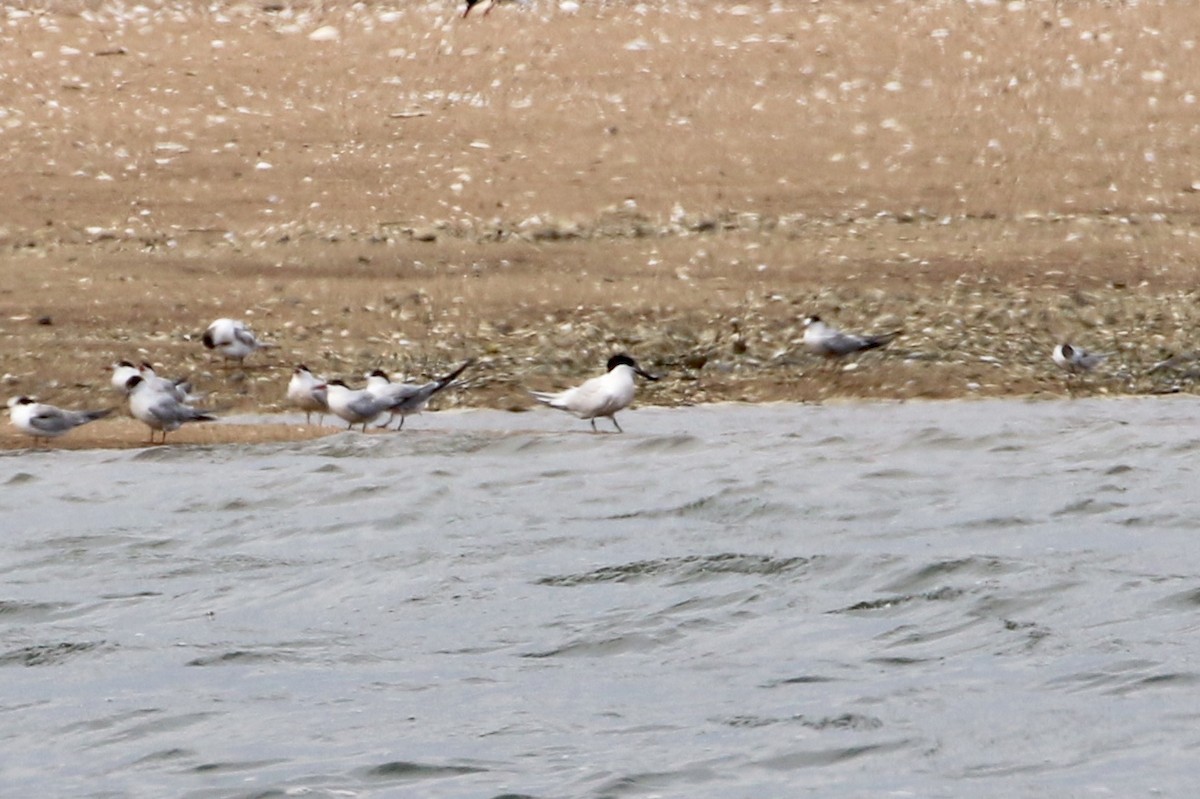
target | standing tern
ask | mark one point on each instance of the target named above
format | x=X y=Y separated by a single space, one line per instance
x=44 y=422
x=408 y=398
x=599 y=396
x=308 y=393
x=355 y=406
x=233 y=339
x=822 y=339
x=158 y=409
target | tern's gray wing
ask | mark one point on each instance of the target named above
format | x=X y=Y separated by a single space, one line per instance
x=168 y=411
x=53 y=421
x=840 y=343
x=179 y=390
x=245 y=337
x=367 y=406
x=844 y=343
x=410 y=396
x=50 y=420
x=184 y=388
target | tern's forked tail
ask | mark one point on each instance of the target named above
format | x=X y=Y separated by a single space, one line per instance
x=546 y=397
x=442 y=382
x=881 y=340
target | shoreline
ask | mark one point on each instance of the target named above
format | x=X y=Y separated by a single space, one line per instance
x=124 y=433
x=404 y=192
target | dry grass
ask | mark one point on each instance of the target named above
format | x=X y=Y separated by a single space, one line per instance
x=542 y=186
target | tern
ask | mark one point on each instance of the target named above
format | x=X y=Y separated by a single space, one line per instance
x=408 y=398
x=158 y=409
x=121 y=372
x=599 y=396
x=180 y=389
x=822 y=339
x=308 y=393
x=45 y=422
x=355 y=406
x=232 y=339
x=1076 y=360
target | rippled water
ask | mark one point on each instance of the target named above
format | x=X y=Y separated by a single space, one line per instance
x=955 y=599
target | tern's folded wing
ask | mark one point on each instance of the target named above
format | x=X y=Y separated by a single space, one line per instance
x=51 y=420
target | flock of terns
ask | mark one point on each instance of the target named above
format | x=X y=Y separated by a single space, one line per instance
x=165 y=405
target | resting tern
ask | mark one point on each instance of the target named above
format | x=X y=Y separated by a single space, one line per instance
x=822 y=339
x=307 y=392
x=408 y=398
x=233 y=339
x=159 y=409
x=1075 y=359
x=599 y=396
x=45 y=422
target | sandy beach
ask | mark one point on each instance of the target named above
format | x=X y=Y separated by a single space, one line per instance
x=392 y=186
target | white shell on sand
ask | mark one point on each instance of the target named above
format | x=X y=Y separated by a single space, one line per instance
x=326 y=33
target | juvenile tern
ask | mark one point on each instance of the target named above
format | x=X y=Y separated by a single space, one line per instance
x=308 y=393
x=408 y=398
x=158 y=409
x=1076 y=360
x=232 y=339
x=355 y=406
x=44 y=422
x=599 y=396
x=822 y=339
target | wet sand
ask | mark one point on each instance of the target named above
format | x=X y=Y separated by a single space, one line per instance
x=392 y=187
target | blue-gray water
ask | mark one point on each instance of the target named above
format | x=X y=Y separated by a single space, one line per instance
x=985 y=599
